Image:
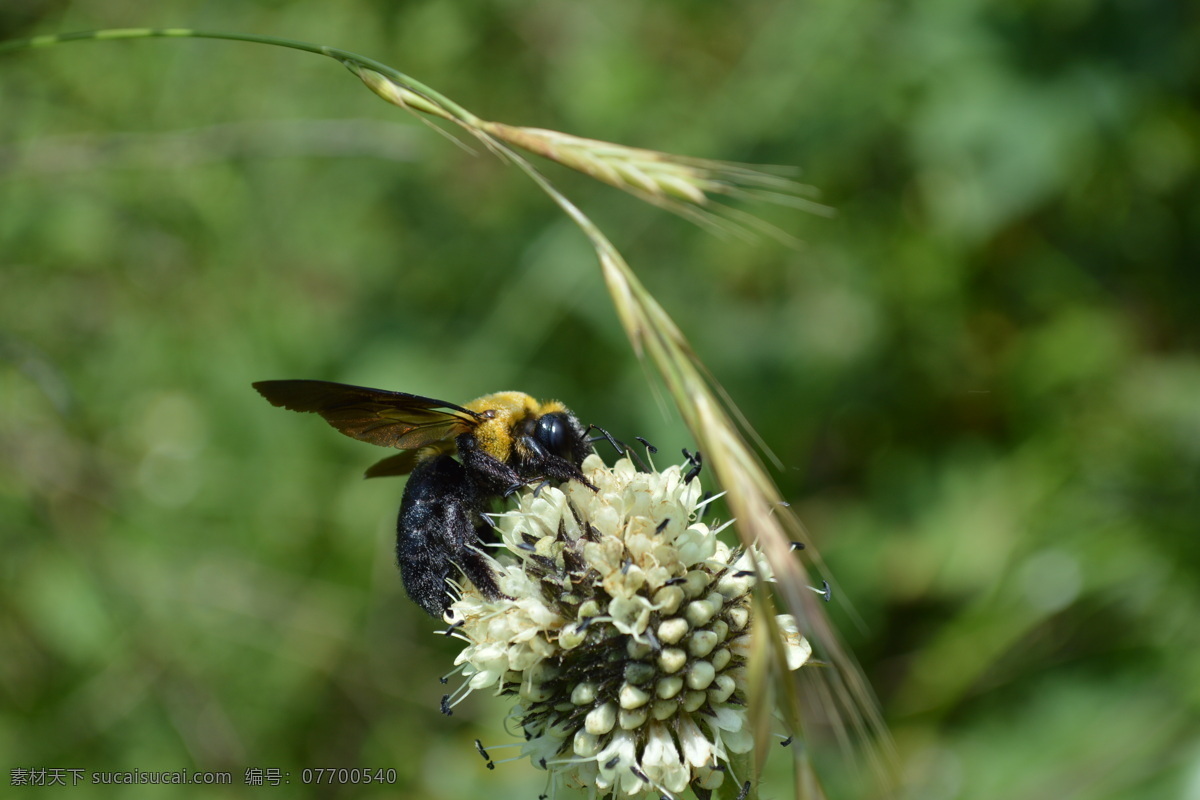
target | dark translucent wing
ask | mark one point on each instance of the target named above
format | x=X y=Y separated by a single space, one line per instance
x=399 y=464
x=388 y=419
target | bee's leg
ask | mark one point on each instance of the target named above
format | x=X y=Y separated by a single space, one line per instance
x=478 y=569
x=551 y=467
x=494 y=476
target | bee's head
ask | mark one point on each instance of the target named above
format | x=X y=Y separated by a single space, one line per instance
x=555 y=436
x=559 y=434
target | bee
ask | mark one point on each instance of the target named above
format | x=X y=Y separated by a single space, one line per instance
x=503 y=441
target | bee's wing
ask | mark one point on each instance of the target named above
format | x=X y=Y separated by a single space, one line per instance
x=388 y=419
x=399 y=464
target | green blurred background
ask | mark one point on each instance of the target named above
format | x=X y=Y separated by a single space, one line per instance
x=981 y=375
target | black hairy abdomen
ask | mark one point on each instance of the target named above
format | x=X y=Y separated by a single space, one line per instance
x=437 y=534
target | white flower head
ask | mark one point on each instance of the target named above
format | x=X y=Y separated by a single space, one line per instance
x=623 y=633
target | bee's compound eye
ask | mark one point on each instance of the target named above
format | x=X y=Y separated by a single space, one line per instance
x=553 y=433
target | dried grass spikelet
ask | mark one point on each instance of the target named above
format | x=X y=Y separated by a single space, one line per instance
x=841 y=692
x=682 y=185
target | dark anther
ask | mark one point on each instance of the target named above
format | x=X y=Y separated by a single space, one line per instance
x=786 y=742
x=527 y=547
x=484 y=753
x=542 y=762
x=612 y=762
x=454 y=627
x=649 y=447
x=697 y=461
x=444 y=679
x=625 y=567
x=745 y=792
x=828 y=592
x=446 y=706
x=797 y=546
x=743 y=573
x=662 y=526
x=639 y=774
x=676 y=581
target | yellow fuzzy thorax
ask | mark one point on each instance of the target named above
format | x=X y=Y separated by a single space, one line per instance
x=508 y=409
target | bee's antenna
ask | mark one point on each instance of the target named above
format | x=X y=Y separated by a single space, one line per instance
x=605 y=436
x=619 y=446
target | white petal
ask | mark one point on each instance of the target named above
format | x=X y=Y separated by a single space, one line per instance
x=798 y=648
x=729 y=719
x=696 y=544
x=741 y=741
x=661 y=761
x=630 y=615
x=696 y=747
x=622 y=748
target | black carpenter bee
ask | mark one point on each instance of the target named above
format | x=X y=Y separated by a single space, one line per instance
x=503 y=441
